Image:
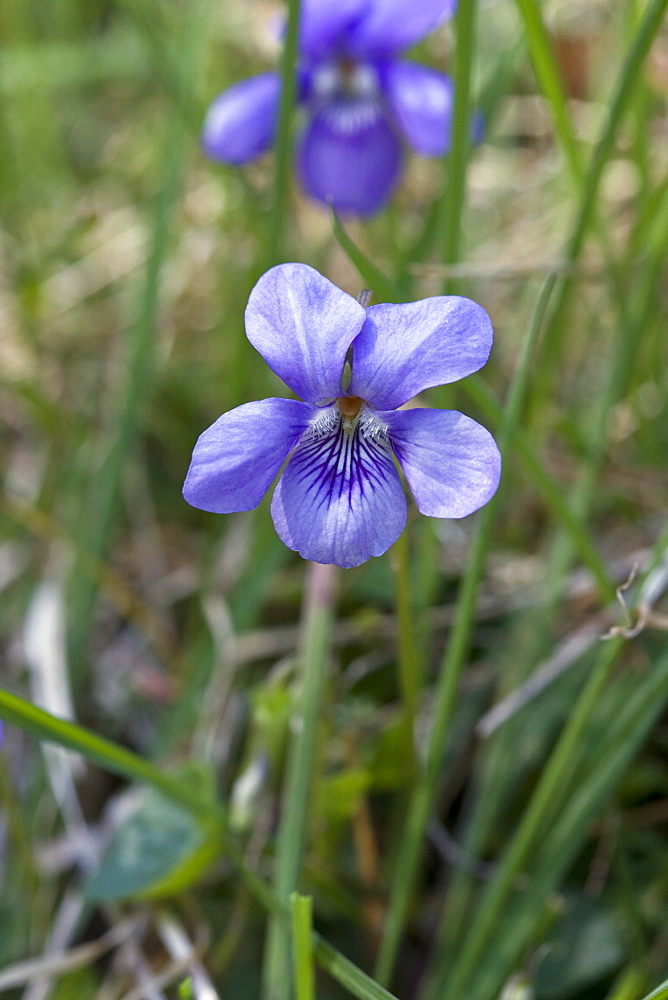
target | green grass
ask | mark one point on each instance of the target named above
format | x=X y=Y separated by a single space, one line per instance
x=358 y=833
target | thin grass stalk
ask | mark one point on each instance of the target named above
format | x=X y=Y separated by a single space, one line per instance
x=283 y=148
x=630 y=719
x=627 y=82
x=550 y=81
x=632 y=326
x=382 y=286
x=408 y=662
x=549 y=77
x=302 y=920
x=660 y=993
x=292 y=832
x=423 y=798
x=104 y=752
x=551 y=491
x=105 y=487
x=572 y=512
x=454 y=193
x=583 y=493
x=340 y=968
x=541 y=808
x=576 y=509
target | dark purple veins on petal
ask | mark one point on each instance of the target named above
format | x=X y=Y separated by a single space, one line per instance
x=342 y=463
x=340 y=499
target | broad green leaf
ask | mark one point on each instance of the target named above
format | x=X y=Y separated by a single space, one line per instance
x=584 y=947
x=160 y=850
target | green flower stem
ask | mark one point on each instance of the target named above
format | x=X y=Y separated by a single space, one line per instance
x=383 y=288
x=348 y=975
x=408 y=659
x=454 y=194
x=302 y=919
x=291 y=839
x=283 y=149
x=446 y=693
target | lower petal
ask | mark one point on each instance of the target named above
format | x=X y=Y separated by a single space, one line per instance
x=340 y=498
x=241 y=122
x=451 y=463
x=238 y=457
x=349 y=157
x=421 y=101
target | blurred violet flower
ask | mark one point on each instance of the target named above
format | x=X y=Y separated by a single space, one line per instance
x=340 y=499
x=361 y=102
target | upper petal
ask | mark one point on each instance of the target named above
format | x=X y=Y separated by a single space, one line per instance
x=340 y=498
x=451 y=463
x=324 y=26
x=349 y=156
x=303 y=325
x=403 y=349
x=237 y=458
x=388 y=26
x=421 y=101
x=241 y=122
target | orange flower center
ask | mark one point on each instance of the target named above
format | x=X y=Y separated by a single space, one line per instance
x=350 y=406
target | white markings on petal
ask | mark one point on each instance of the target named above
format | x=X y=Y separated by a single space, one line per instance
x=345 y=460
x=340 y=499
x=345 y=79
x=348 y=117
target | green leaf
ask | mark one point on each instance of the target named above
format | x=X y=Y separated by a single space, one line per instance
x=160 y=850
x=585 y=947
x=339 y=795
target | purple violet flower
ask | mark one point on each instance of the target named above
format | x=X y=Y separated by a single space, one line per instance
x=340 y=498
x=361 y=102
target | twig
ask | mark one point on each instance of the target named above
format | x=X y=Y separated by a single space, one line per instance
x=570 y=650
x=58 y=965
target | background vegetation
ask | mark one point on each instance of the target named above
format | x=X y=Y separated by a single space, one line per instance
x=517 y=845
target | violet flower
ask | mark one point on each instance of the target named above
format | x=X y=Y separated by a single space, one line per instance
x=340 y=499
x=361 y=102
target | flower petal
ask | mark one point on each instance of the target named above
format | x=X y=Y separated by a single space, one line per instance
x=349 y=156
x=240 y=123
x=303 y=325
x=340 y=498
x=237 y=458
x=392 y=25
x=323 y=27
x=451 y=463
x=421 y=101
x=406 y=348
